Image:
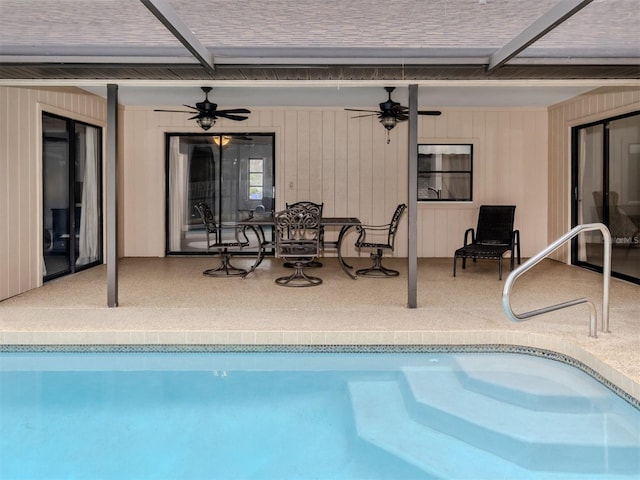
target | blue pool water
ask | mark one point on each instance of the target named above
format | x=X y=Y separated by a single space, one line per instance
x=309 y=416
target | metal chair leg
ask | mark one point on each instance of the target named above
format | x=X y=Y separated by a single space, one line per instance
x=377 y=270
x=225 y=269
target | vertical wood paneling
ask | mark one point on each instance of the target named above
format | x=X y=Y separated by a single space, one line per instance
x=365 y=164
x=14 y=153
x=290 y=160
x=516 y=187
x=5 y=179
x=479 y=154
x=303 y=170
x=341 y=155
x=492 y=152
x=20 y=177
x=500 y=193
x=327 y=166
x=314 y=176
x=24 y=222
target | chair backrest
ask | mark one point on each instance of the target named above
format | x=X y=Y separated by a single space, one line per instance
x=308 y=205
x=207 y=217
x=495 y=224
x=395 y=221
x=298 y=231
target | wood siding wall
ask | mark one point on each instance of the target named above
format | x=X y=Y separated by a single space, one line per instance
x=322 y=154
x=597 y=105
x=21 y=175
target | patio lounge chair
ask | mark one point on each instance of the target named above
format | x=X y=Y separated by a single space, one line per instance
x=379 y=238
x=492 y=238
x=221 y=238
x=298 y=243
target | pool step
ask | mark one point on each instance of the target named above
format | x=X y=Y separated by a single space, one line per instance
x=395 y=417
x=530 y=383
x=382 y=420
x=534 y=438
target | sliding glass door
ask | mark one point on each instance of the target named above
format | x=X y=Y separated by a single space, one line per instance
x=606 y=166
x=71 y=207
x=232 y=173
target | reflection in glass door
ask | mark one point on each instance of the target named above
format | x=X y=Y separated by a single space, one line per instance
x=71 y=165
x=606 y=166
x=232 y=173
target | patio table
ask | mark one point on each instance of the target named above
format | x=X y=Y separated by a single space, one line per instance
x=345 y=223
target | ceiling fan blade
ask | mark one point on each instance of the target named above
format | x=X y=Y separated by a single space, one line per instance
x=429 y=112
x=233 y=110
x=195 y=117
x=189 y=106
x=368 y=115
x=358 y=110
x=237 y=118
x=173 y=111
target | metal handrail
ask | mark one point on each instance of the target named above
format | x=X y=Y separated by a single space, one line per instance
x=606 y=273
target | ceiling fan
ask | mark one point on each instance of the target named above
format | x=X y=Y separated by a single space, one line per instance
x=391 y=112
x=206 y=112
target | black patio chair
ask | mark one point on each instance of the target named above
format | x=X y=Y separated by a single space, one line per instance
x=298 y=243
x=221 y=238
x=315 y=207
x=492 y=238
x=379 y=238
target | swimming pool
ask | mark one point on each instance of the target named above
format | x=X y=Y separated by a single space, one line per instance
x=379 y=414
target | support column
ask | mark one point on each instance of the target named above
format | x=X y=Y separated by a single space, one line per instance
x=112 y=195
x=412 y=267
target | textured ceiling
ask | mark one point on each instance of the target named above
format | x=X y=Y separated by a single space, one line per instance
x=250 y=42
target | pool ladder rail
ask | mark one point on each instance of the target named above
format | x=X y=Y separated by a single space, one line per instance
x=606 y=277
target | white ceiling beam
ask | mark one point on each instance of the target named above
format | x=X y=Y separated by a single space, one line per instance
x=170 y=19
x=547 y=22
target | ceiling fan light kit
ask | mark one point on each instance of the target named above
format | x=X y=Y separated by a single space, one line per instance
x=206 y=112
x=388 y=121
x=205 y=122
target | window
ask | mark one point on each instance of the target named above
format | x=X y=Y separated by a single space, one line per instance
x=256 y=178
x=445 y=172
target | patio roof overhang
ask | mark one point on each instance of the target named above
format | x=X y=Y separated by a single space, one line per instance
x=174 y=40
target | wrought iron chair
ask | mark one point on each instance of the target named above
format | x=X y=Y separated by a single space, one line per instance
x=298 y=243
x=379 y=238
x=492 y=238
x=315 y=207
x=222 y=238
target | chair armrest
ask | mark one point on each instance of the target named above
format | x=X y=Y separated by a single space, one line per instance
x=373 y=227
x=466 y=236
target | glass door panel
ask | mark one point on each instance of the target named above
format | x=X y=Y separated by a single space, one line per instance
x=590 y=192
x=607 y=179
x=87 y=218
x=232 y=173
x=71 y=213
x=55 y=196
